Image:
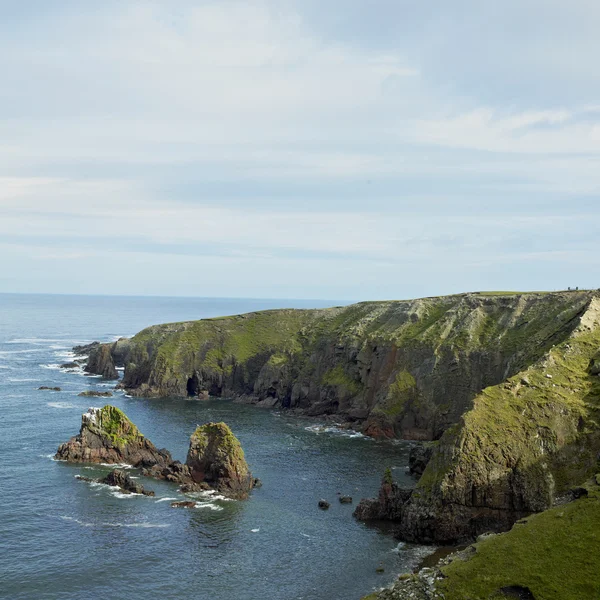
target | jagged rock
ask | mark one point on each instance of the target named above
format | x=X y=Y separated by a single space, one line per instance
x=95 y=394
x=70 y=365
x=323 y=504
x=85 y=349
x=215 y=456
x=108 y=436
x=418 y=458
x=122 y=480
x=49 y=389
x=100 y=362
x=387 y=506
x=345 y=499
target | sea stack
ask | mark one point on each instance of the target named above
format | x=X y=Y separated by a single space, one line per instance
x=216 y=457
x=108 y=436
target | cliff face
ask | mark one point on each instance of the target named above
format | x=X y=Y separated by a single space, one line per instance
x=507 y=385
x=523 y=442
x=400 y=369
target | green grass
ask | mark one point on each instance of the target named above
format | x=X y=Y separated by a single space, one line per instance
x=556 y=554
x=337 y=377
x=115 y=424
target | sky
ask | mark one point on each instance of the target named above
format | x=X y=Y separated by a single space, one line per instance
x=339 y=149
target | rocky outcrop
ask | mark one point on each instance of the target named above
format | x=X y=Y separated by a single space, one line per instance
x=49 y=389
x=388 y=506
x=122 y=480
x=95 y=394
x=215 y=457
x=100 y=362
x=108 y=436
x=215 y=460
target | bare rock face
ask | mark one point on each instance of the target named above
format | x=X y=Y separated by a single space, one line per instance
x=388 y=506
x=418 y=458
x=108 y=436
x=100 y=362
x=216 y=457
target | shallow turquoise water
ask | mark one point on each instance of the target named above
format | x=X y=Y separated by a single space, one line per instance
x=61 y=538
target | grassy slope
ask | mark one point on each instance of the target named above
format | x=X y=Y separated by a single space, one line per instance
x=556 y=554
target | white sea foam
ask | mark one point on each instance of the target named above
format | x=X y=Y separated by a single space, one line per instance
x=336 y=430
x=61 y=405
x=397 y=549
x=51 y=366
x=21 y=380
x=213 y=495
x=88 y=524
x=255 y=530
x=117 y=465
x=208 y=505
x=165 y=500
x=51 y=457
x=28 y=351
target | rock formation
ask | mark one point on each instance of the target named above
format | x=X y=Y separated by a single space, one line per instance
x=215 y=457
x=108 y=436
x=122 y=480
x=100 y=362
x=95 y=394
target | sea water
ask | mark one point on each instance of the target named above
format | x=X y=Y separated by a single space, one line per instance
x=63 y=538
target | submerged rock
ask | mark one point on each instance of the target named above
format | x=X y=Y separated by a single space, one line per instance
x=345 y=499
x=108 y=436
x=70 y=365
x=323 y=504
x=183 y=504
x=95 y=394
x=215 y=456
x=49 y=389
x=122 y=480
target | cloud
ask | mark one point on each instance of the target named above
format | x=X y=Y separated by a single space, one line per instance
x=366 y=147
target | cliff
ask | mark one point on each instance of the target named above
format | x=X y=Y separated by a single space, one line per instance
x=505 y=384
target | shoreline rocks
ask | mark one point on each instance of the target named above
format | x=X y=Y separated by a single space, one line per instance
x=122 y=480
x=95 y=394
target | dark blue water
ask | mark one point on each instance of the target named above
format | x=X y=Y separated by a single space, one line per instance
x=61 y=538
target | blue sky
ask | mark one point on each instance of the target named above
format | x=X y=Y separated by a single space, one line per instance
x=299 y=149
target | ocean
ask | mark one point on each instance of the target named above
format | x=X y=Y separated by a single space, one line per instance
x=62 y=538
